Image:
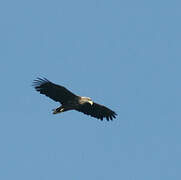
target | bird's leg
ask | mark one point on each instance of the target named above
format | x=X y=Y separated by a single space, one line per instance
x=58 y=110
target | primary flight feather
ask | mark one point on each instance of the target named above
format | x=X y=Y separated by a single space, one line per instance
x=70 y=101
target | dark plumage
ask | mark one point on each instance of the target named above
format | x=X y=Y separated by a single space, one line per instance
x=70 y=101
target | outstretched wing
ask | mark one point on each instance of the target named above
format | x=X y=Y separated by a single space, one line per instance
x=53 y=91
x=98 y=111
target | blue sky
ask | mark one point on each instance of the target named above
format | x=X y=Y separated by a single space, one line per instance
x=123 y=54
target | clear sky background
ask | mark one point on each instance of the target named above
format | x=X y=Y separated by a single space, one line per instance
x=123 y=54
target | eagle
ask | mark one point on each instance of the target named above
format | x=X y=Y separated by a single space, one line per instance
x=70 y=101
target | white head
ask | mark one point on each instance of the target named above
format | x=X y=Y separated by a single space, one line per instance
x=86 y=99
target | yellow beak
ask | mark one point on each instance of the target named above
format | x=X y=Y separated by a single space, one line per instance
x=91 y=102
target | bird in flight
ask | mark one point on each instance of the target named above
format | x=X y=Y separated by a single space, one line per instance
x=70 y=101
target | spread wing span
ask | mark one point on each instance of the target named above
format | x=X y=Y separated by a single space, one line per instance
x=70 y=101
x=56 y=92
x=98 y=111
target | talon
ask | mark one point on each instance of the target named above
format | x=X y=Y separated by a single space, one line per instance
x=62 y=110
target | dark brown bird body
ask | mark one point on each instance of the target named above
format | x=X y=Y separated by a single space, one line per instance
x=70 y=101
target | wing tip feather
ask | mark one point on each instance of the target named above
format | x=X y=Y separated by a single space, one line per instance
x=39 y=81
